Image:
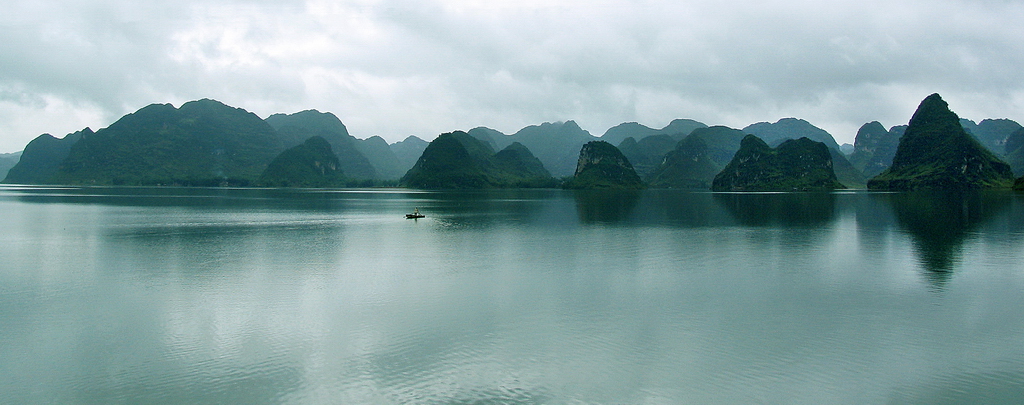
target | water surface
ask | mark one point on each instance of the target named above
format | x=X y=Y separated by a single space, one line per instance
x=136 y=295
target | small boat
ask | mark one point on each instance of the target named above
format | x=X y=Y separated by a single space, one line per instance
x=415 y=214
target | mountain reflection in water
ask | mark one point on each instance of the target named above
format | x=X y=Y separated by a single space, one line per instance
x=941 y=222
x=163 y=295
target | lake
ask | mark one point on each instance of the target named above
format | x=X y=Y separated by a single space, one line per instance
x=247 y=296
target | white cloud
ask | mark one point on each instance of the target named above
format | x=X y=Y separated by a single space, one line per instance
x=395 y=68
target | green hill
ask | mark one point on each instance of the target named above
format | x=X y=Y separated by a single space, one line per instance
x=619 y=133
x=678 y=129
x=991 y=133
x=457 y=160
x=493 y=138
x=874 y=148
x=42 y=157
x=408 y=151
x=722 y=142
x=311 y=164
x=384 y=161
x=203 y=143
x=796 y=165
x=790 y=128
x=1015 y=152
x=936 y=152
x=687 y=166
x=602 y=166
x=648 y=153
x=7 y=161
x=681 y=127
x=305 y=124
x=793 y=128
x=557 y=144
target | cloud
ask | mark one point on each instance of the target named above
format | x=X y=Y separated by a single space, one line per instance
x=395 y=68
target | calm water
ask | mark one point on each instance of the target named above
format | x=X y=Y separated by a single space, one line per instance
x=517 y=297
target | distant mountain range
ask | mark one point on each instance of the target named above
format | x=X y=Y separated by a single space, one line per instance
x=795 y=165
x=457 y=160
x=207 y=143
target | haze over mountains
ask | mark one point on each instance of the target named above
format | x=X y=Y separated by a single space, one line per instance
x=207 y=143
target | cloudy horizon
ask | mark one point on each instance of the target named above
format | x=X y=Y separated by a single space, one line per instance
x=395 y=68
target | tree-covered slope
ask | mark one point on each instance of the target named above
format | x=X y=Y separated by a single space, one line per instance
x=311 y=164
x=492 y=137
x=796 y=165
x=722 y=142
x=42 y=157
x=1015 y=152
x=518 y=167
x=7 y=161
x=408 y=151
x=457 y=160
x=678 y=129
x=793 y=128
x=202 y=143
x=936 y=152
x=557 y=144
x=384 y=161
x=445 y=164
x=305 y=124
x=874 y=148
x=602 y=166
x=688 y=166
x=991 y=133
x=790 y=128
x=645 y=155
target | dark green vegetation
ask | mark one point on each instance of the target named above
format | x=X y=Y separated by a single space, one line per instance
x=297 y=127
x=792 y=128
x=311 y=164
x=874 y=147
x=203 y=143
x=602 y=166
x=1018 y=184
x=557 y=144
x=688 y=165
x=42 y=157
x=554 y=144
x=206 y=143
x=457 y=160
x=936 y=153
x=796 y=165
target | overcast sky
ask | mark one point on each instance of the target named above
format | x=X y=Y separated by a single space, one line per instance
x=399 y=68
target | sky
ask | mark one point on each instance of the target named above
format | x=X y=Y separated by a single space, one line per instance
x=396 y=68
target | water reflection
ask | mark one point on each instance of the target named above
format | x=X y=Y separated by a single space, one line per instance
x=941 y=222
x=200 y=198
x=333 y=297
x=779 y=209
x=605 y=206
x=684 y=208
